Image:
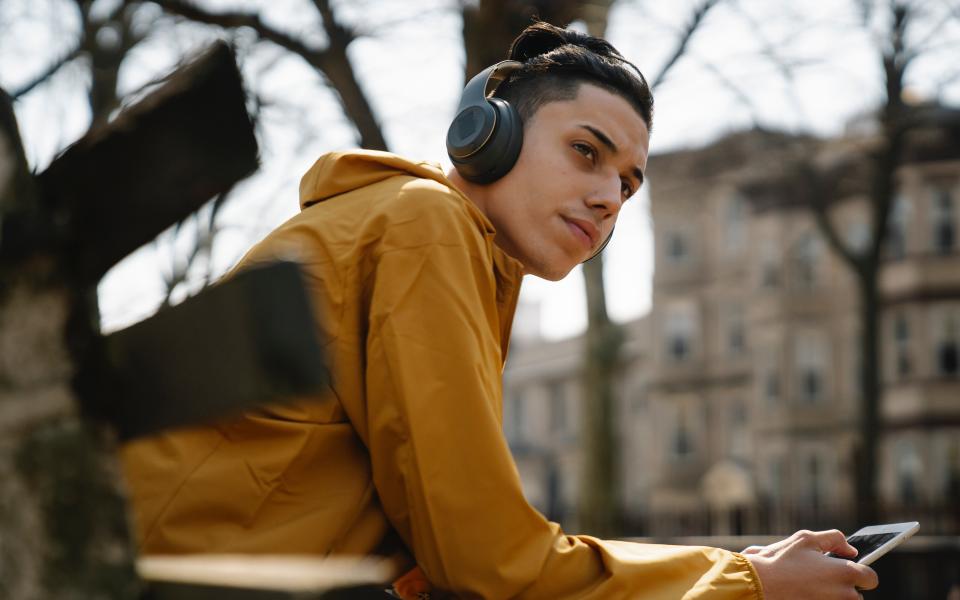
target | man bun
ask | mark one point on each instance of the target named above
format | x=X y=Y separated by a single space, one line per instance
x=541 y=38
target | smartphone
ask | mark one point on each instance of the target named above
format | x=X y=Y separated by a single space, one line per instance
x=875 y=541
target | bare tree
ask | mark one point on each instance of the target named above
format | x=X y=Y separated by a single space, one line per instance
x=896 y=122
x=873 y=175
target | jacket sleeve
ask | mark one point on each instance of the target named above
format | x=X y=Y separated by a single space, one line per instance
x=445 y=474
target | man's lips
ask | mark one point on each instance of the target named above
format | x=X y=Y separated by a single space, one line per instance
x=583 y=229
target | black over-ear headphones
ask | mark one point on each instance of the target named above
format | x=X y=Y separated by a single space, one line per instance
x=485 y=137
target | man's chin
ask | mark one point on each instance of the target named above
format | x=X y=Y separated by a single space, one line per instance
x=548 y=273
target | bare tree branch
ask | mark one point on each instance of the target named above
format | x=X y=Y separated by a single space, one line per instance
x=736 y=90
x=769 y=51
x=947 y=81
x=331 y=62
x=390 y=25
x=339 y=35
x=952 y=8
x=205 y=233
x=686 y=35
x=49 y=71
x=819 y=197
x=921 y=46
x=236 y=19
x=893 y=121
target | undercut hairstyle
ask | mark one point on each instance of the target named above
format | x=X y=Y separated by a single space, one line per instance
x=556 y=62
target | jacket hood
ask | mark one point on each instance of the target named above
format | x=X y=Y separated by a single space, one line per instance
x=340 y=172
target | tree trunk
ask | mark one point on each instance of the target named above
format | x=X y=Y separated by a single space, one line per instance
x=599 y=509
x=62 y=517
x=870 y=395
x=354 y=102
x=489 y=26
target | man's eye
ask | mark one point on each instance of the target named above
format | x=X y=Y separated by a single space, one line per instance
x=625 y=190
x=586 y=151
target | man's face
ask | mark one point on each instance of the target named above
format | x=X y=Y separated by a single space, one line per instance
x=581 y=159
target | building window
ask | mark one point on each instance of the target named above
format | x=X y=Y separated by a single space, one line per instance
x=514 y=423
x=897 y=229
x=738 y=414
x=806 y=255
x=943 y=221
x=813 y=489
x=739 y=434
x=679 y=348
x=771 y=388
x=558 y=406
x=769 y=264
x=678 y=247
x=901 y=337
x=680 y=326
x=735 y=224
x=810 y=365
x=948 y=359
x=908 y=472
x=946 y=464
x=681 y=440
x=768 y=375
x=951 y=469
x=810 y=389
x=736 y=336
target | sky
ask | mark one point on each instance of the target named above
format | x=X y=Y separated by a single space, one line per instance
x=731 y=78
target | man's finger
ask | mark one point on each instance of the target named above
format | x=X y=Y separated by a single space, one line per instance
x=865 y=578
x=831 y=540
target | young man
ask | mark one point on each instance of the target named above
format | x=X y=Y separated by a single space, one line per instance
x=415 y=276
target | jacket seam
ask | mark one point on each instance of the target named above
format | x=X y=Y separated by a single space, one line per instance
x=755 y=584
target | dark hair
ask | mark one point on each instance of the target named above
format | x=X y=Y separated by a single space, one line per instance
x=557 y=61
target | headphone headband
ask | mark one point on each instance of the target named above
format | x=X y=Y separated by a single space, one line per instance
x=485 y=83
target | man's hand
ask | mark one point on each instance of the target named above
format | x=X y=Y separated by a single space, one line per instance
x=796 y=568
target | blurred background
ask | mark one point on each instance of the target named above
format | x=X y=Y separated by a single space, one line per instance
x=772 y=339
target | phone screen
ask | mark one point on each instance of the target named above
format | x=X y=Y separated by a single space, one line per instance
x=865 y=544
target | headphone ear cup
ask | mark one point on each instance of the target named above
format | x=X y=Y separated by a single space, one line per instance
x=470 y=130
x=494 y=156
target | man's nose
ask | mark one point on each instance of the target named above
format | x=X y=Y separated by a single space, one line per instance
x=606 y=199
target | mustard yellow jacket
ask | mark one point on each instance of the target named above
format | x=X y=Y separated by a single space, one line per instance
x=414 y=303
